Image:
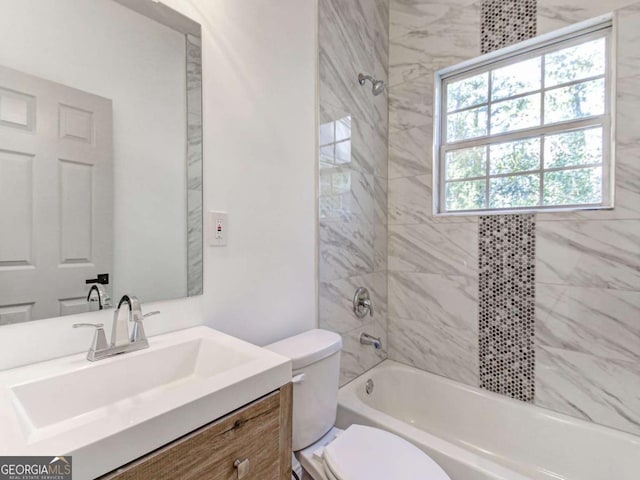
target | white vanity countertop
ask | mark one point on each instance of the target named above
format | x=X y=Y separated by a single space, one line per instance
x=108 y=413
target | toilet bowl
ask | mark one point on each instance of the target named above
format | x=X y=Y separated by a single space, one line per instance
x=326 y=452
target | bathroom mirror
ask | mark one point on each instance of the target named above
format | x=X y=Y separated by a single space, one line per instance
x=100 y=154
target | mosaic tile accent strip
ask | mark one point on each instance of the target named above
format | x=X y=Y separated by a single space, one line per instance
x=507 y=305
x=505 y=22
x=507 y=248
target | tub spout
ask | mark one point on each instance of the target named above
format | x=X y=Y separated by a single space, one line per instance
x=366 y=339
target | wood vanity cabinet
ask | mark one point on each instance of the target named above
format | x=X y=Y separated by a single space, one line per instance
x=252 y=443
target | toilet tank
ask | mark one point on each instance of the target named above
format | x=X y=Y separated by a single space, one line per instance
x=315 y=357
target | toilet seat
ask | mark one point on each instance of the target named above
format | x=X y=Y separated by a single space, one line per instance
x=366 y=453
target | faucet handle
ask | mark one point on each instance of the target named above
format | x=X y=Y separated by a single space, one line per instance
x=137 y=332
x=99 y=339
x=94 y=325
x=368 y=305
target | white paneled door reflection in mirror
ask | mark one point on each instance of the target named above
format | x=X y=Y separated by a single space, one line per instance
x=97 y=119
x=55 y=177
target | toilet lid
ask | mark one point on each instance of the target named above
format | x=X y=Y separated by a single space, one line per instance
x=366 y=453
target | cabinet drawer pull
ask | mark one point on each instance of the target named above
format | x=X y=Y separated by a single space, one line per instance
x=242 y=467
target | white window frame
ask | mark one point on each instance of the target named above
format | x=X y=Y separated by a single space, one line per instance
x=573 y=35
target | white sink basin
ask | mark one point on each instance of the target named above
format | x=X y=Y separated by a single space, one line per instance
x=110 y=412
x=82 y=394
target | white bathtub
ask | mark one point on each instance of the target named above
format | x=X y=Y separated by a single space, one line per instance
x=478 y=435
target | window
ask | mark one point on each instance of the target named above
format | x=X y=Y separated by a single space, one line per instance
x=527 y=128
x=335 y=200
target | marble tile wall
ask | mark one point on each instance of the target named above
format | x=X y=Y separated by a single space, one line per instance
x=194 y=165
x=588 y=263
x=353 y=38
x=587 y=342
x=433 y=261
x=554 y=14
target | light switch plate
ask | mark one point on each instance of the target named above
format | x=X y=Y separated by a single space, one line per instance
x=218 y=229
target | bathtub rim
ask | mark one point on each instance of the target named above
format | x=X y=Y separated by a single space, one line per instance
x=493 y=464
x=388 y=364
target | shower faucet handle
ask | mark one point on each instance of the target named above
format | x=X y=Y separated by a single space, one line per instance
x=362 y=303
x=368 y=305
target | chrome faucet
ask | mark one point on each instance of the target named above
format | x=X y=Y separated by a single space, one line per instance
x=366 y=339
x=101 y=296
x=120 y=325
x=121 y=341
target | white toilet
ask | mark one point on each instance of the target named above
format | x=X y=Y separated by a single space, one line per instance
x=326 y=452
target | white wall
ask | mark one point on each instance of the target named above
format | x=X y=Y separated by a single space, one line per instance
x=109 y=50
x=259 y=70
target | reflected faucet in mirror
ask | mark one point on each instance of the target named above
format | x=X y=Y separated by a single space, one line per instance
x=121 y=341
x=101 y=296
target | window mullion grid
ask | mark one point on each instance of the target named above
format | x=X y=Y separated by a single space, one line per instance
x=505 y=137
x=572 y=167
x=521 y=173
x=528 y=93
x=543 y=84
x=542 y=171
x=487 y=148
x=608 y=161
x=475 y=106
x=573 y=83
x=442 y=158
x=532 y=53
x=335 y=150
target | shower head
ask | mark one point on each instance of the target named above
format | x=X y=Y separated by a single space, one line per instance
x=378 y=86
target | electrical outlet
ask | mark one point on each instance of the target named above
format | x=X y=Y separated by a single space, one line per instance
x=218 y=229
